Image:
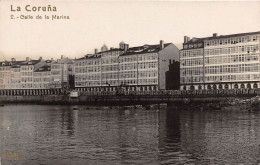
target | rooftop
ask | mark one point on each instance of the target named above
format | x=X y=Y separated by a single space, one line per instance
x=232 y=35
x=87 y=56
x=63 y=61
x=43 y=68
x=197 y=40
x=144 y=49
x=112 y=50
x=98 y=55
x=18 y=63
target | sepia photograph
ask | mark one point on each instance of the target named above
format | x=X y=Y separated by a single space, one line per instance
x=136 y=82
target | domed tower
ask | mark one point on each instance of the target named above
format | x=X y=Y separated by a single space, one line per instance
x=104 y=48
x=122 y=45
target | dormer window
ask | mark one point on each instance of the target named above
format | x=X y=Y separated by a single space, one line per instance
x=146 y=46
x=194 y=39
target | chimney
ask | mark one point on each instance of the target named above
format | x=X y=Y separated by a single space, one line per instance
x=51 y=59
x=215 y=34
x=40 y=58
x=170 y=61
x=161 y=45
x=13 y=59
x=62 y=57
x=96 y=51
x=111 y=48
x=27 y=58
x=188 y=39
x=126 y=47
x=185 y=39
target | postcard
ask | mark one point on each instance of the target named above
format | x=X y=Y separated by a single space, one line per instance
x=129 y=82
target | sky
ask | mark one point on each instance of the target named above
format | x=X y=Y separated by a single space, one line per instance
x=93 y=24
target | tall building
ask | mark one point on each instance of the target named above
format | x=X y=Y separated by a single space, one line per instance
x=109 y=66
x=35 y=74
x=135 y=68
x=15 y=75
x=192 y=63
x=98 y=71
x=145 y=67
x=88 y=72
x=18 y=74
x=42 y=77
x=60 y=71
x=5 y=74
x=26 y=69
x=221 y=62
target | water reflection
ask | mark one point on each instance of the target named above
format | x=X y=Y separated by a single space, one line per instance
x=69 y=119
x=221 y=137
x=61 y=135
x=169 y=136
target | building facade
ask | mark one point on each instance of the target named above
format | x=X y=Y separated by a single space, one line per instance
x=99 y=71
x=134 y=69
x=42 y=77
x=144 y=68
x=5 y=74
x=18 y=74
x=35 y=74
x=222 y=62
x=109 y=66
x=192 y=63
x=61 y=71
x=88 y=72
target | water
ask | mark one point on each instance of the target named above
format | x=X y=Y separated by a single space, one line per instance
x=36 y=134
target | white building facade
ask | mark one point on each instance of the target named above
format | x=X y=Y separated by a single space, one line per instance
x=192 y=64
x=88 y=73
x=225 y=62
x=19 y=74
x=42 y=77
x=60 y=71
x=99 y=71
x=135 y=69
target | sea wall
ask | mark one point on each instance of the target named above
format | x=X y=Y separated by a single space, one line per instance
x=116 y=100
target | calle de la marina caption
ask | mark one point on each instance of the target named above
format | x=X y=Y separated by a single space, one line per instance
x=38 y=10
